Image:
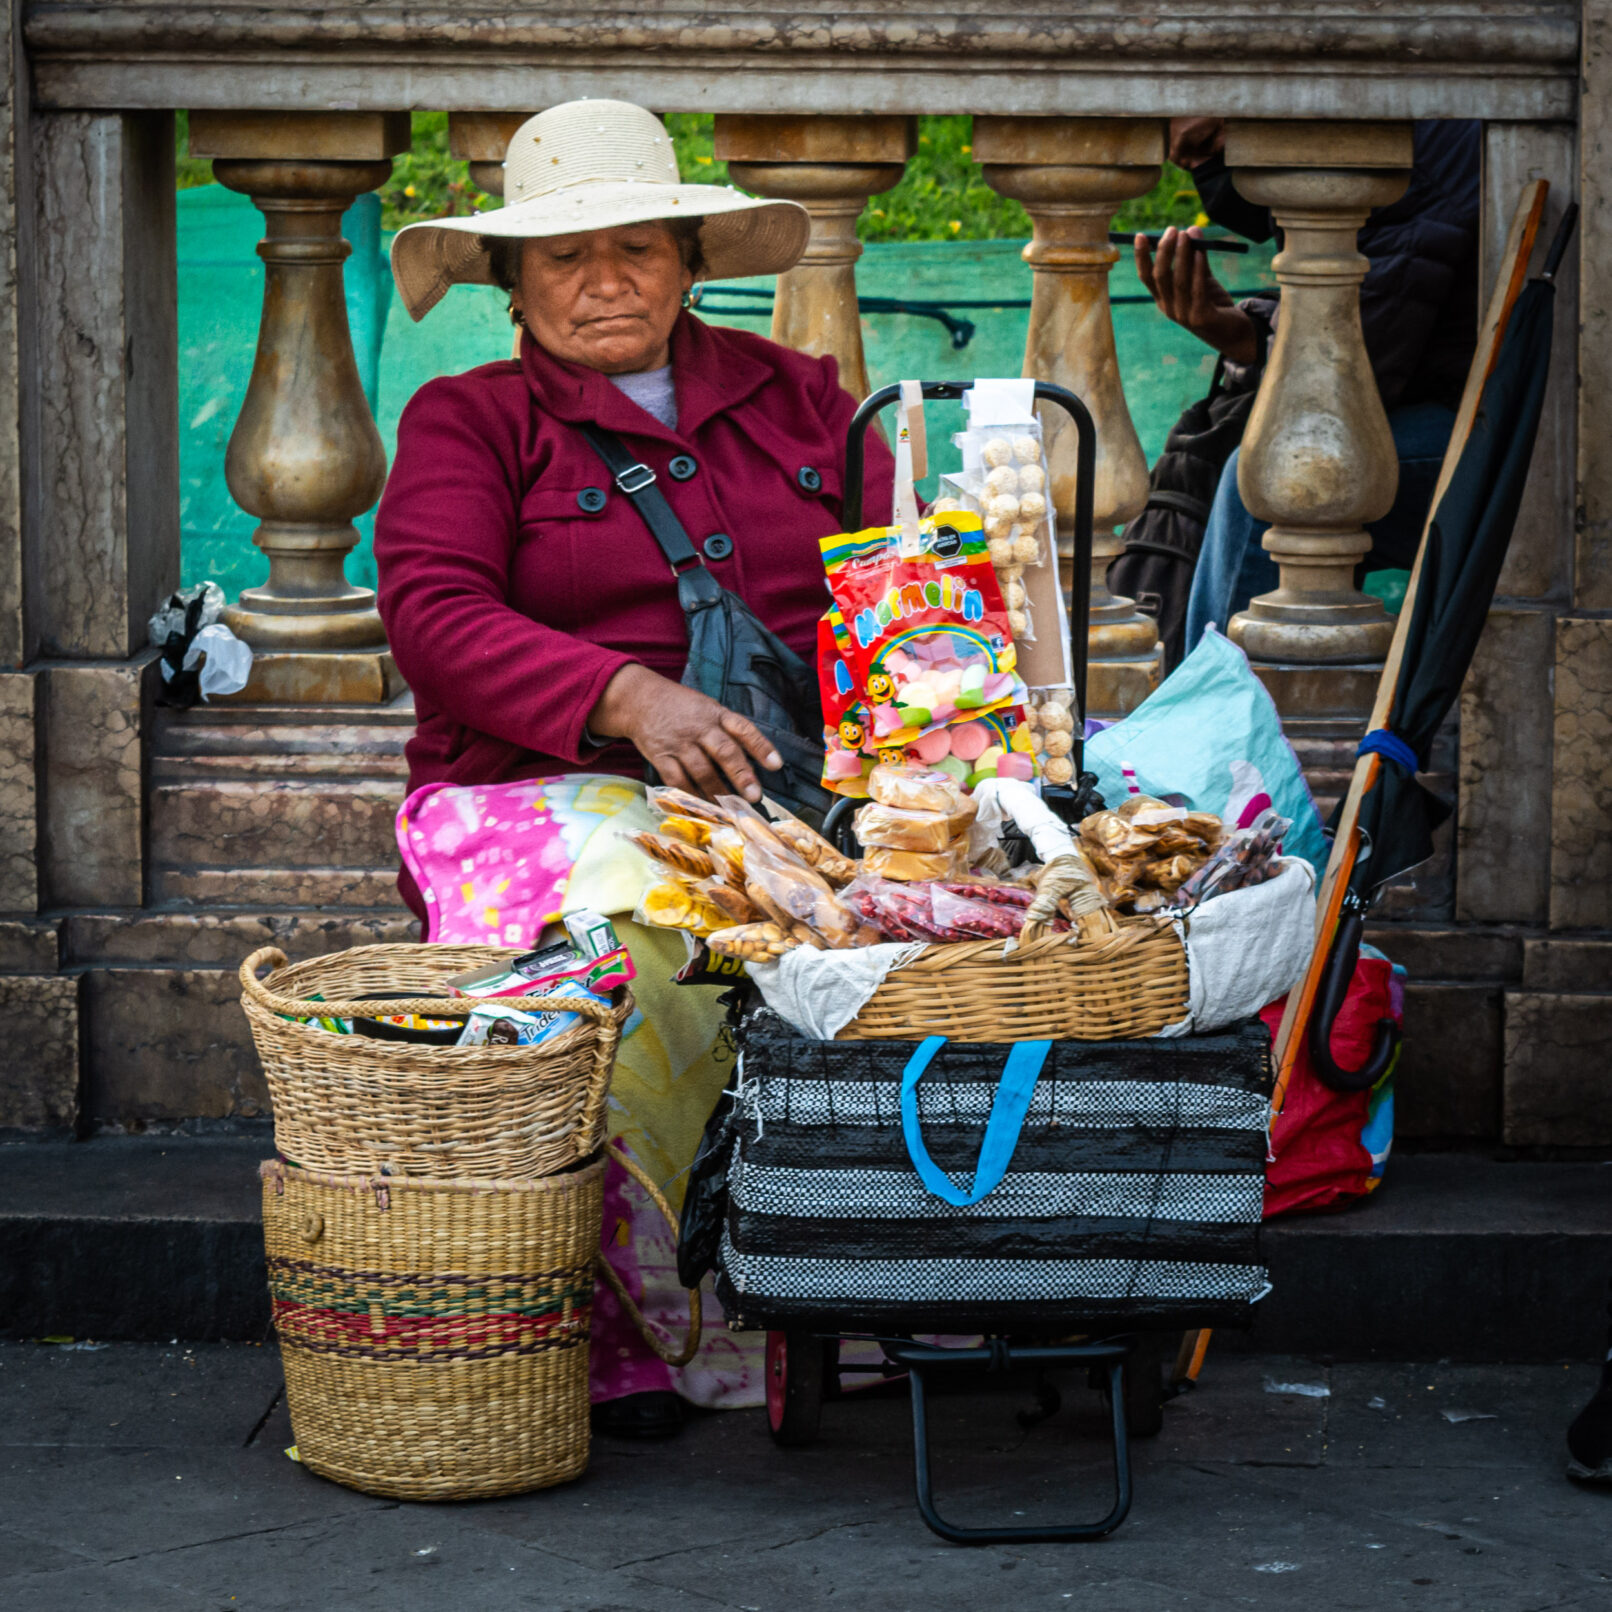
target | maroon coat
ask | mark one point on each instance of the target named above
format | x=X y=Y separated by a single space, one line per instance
x=509 y=605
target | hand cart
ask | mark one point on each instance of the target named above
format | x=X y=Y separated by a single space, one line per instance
x=796 y=1116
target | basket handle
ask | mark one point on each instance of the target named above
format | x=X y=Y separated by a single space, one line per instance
x=691 y=1342
x=425 y=1007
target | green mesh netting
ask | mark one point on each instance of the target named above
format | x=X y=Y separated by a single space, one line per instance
x=221 y=293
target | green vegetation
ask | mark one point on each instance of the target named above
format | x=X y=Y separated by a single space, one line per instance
x=942 y=196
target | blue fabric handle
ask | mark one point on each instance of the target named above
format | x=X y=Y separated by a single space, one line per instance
x=1386 y=743
x=1011 y=1104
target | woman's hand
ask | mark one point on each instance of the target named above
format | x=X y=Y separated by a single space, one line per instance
x=688 y=738
x=1180 y=283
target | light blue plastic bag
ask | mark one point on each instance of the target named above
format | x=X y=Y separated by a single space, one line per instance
x=1210 y=737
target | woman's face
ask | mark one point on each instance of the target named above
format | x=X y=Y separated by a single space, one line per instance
x=606 y=298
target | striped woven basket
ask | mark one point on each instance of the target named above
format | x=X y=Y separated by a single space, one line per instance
x=1118 y=986
x=435 y=1333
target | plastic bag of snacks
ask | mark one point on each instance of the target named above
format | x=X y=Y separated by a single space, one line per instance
x=1144 y=850
x=933 y=912
x=899 y=830
x=1246 y=856
x=912 y=866
x=928 y=640
x=810 y=846
x=1004 y=478
x=1051 y=721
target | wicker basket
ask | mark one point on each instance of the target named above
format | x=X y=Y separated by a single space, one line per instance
x=347 y=1103
x=1121 y=986
x=434 y=1333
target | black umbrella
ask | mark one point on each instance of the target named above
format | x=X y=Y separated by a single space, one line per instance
x=1460 y=564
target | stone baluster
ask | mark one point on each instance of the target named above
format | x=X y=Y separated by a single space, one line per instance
x=481 y=139
x=830 y=165
x=1317 y=458
x=305 y=456
x=1072 y=174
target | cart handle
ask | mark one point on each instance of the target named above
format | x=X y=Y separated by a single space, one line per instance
x=852 y=513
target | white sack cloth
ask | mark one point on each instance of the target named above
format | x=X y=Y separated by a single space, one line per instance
x=1246 y=948
x=821 y=992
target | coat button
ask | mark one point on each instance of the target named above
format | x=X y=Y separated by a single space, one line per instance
x=591 y=500
x=809 y=479
x=682 y=468
x=718 y=546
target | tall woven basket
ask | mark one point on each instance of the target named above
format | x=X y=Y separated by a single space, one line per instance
x=346 y=1103
x=434 y=1333
x=1119 y=986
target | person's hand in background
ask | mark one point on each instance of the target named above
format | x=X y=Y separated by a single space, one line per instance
x=1177 y=277
x=1195 y=140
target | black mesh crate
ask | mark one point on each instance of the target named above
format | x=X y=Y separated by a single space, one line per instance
x=1132 y=1200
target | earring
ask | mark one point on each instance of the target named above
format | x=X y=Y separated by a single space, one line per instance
x=516 y=316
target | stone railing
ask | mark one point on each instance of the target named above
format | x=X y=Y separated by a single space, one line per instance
x=1318 y=460
x=141 y=854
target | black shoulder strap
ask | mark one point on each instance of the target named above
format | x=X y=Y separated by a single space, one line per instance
x=637 y=482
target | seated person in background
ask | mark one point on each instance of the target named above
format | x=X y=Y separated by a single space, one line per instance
x=1418 y=311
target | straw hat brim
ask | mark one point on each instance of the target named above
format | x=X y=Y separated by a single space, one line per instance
x=738 y=237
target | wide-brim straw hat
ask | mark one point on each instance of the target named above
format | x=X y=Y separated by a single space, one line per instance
x=591 y=165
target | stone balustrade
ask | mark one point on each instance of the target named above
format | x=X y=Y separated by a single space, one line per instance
x=142 y=854
x=1318 y=460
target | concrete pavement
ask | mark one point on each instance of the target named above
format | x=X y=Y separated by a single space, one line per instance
x=152 y=1478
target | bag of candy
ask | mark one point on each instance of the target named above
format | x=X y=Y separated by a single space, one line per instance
x=927 y=634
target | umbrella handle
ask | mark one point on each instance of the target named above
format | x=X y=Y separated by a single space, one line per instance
x=1340 y=969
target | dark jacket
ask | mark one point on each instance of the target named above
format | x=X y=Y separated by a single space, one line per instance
x=510 y=600
x=1418 y=313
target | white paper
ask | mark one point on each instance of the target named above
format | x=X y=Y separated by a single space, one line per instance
x=1001 y=402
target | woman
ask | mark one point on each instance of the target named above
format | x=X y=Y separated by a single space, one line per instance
x=527 y=603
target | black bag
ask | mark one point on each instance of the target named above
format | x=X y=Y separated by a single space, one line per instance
x=731 y=656
x=1162 y=543
x=1134 y=1194
x=705 y=1195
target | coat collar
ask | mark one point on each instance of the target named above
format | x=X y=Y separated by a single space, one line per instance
x=711 y=374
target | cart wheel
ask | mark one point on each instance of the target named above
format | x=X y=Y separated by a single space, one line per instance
x=1144 y=1387
x=794 y=1387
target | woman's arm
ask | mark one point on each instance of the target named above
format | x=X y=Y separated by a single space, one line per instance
x=444 y=542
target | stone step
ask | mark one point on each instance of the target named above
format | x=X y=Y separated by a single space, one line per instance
x=237 y=824
x=253 y=889
x=1456 y=1257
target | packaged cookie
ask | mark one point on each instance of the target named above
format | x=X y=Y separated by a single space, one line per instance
x=912 y=866
x=893 y=828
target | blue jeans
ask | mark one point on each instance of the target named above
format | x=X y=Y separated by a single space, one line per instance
x=1233 y=568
